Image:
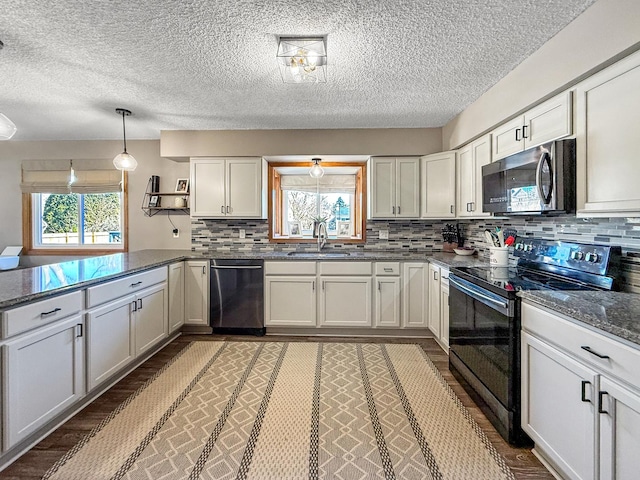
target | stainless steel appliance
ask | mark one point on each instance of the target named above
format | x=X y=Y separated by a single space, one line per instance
x=538 y=180
x=484 y=318
x=236 y=296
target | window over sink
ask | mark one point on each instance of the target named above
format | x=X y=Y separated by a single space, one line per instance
x=298 y=202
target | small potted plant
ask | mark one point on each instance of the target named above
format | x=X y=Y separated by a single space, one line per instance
x=316 y=223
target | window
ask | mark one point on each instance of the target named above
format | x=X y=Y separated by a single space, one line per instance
x=87 y=215
x=77 y=220
x=299 y=202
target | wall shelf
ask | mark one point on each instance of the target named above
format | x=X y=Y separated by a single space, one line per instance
x=150 y=209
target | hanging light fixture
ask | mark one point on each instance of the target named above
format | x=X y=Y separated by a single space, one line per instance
x=124 y=161
x=316 y=170
x=72 y=175
x=7 y=127
x=302 y=59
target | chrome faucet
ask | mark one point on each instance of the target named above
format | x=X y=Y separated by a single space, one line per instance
x=322 y=235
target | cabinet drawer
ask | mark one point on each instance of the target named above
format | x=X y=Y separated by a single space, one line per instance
x=345 y=268
x=570 y=337
x=387 y=268
x=290 y=268
x=40 y=313
x=124 y=286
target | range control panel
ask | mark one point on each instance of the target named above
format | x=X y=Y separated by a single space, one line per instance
x=595 y=259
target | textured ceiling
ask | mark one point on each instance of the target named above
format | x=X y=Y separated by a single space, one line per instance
x=211 y=64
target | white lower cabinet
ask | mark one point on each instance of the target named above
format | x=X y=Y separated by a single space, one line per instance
x=197 y=292
x=43 y=375
x=444 y=309
x=387 y=301
x=176 y=296
x=415 y=295
x=110 y=340
x=290 y=301
x=345 y=301
x=580 y=397
x=434 y=300
x=150 y=317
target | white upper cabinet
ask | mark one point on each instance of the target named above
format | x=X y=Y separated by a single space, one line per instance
x=471 y=159
x=548 y=121
x=608 y=116
x=395 y=187
x=438 y=183
x=226 y=187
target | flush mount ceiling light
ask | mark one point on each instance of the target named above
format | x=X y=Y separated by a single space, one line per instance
x=316 y=171
x=7 y=127
x=123 y=161
x=302 y=59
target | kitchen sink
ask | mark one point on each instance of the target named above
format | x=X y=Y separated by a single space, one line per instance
x=319 y=254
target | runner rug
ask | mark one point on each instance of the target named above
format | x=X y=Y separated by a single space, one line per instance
x=254 y=410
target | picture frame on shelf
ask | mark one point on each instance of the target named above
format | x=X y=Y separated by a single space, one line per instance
x=154 y=201
x=343 y=229
x=294 y=229
x=182 y=185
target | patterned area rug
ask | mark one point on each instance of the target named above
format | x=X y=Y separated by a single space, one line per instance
x=251 y=410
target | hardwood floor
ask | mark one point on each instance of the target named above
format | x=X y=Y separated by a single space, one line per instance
x=40 y=458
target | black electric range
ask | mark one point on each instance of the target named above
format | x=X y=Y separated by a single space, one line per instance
x=484 y=317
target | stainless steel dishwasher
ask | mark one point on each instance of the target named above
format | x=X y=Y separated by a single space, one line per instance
x=237 y=296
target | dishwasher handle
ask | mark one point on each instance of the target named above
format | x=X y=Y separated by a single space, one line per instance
x=238 y=267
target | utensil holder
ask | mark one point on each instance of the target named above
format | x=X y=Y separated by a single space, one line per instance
x=499 y=256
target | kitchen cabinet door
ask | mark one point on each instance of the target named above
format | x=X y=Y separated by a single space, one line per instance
x=434 y=300
x=387 y=301
x=407 y=187
x=470 y=160
x=290 y=301
x=444 y=310
x=43 y=375
x=438 y=195
x=619 y=427
x=608 y=116
x=548 y=121
x=208 y=197
x=244 y=187
x=559 y=397
x=415 y=295
x=383 y=187
x=197 y=292
x=345 y=301
x=110 y=340
x=176 y=296
x=151 y=317
x=507 y=138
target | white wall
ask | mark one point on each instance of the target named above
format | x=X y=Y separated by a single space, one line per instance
x=604 y=32
x=144 y=232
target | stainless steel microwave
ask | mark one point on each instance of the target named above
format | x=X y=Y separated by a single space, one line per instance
x=537 y=180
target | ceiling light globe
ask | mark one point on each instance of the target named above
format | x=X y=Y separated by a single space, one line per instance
x=124 y=161
x=7 y=128
x=316 y=170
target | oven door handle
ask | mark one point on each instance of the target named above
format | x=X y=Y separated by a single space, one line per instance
x=475 y=293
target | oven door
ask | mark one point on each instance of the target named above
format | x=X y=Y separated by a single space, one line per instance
x=484 y=336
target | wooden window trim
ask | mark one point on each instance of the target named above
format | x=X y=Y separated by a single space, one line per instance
x=275 y=195
x=27 y=232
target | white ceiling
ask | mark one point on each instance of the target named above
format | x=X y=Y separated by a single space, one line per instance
x=210 y=64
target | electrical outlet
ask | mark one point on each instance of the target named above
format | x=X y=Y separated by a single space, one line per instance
x=242 y=233
x=176 y=233
x=384 y=234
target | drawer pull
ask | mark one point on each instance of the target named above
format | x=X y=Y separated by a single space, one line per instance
x=584 y=391
x=588 y=349
x=600 y=395
x=51 y=312
x=136 y=284
x=387 y=269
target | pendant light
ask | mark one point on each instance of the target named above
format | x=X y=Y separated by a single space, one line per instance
x=72 y=175
x=124 y=161
x=316 y=171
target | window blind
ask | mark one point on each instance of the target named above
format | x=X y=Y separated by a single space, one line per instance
x=326 y=184
x=52 y=176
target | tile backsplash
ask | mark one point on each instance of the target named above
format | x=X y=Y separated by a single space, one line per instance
x=425 y=235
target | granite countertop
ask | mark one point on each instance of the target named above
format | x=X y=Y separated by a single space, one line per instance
x=615 y=313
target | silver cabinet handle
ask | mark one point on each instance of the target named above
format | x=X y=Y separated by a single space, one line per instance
x=313 y=286
x=435 y=275
x=139 y=304
x=387 y=269
x=398 y=209
x=473 y=206
x=50 y=312
x=79 y=332
x=134 y=306
x=322 y=285
x=204 y=270
x=393 y=210
x=451 y=209
x=379 y=289
x=222 y=209
x=227 y=208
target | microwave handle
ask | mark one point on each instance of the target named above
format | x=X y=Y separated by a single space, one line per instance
x=545 y=157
